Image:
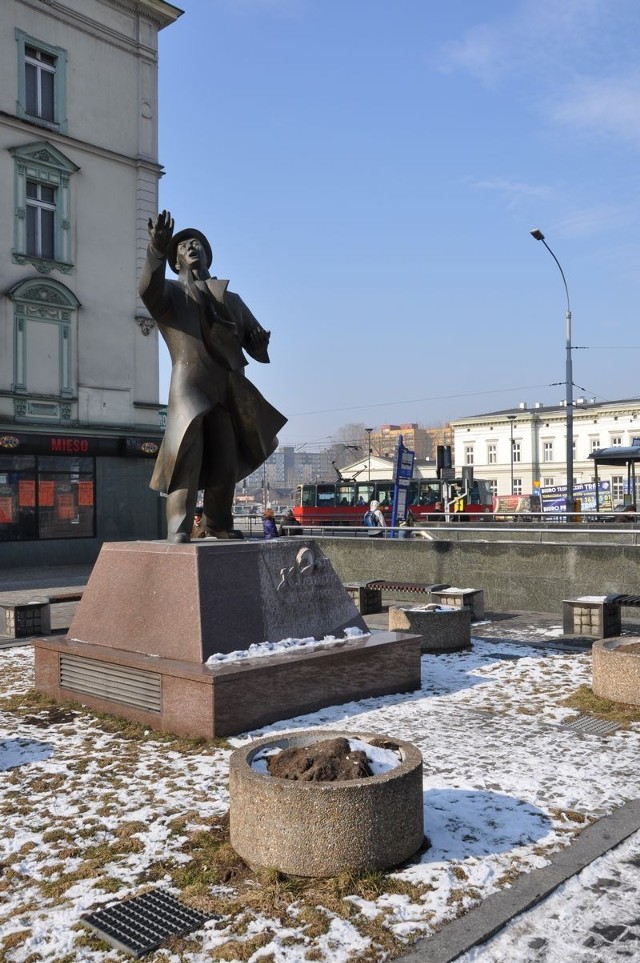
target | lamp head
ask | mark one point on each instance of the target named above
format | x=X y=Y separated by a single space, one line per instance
x=537 y=233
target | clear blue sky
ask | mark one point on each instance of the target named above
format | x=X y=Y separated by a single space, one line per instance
x=368 y=172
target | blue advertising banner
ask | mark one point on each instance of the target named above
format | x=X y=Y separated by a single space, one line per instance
x=553 y=498
x=402 y=475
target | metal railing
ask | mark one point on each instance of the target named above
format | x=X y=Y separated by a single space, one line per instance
x=620 y=527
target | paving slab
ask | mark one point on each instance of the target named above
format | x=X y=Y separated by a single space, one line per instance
x=487 y=919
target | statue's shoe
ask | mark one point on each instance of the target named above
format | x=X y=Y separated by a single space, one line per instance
x=235 y=534
x=178 y=538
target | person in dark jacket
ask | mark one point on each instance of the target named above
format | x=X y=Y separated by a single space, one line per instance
x=290 y=524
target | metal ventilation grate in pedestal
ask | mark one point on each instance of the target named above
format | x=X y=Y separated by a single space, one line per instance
x=589 y=725
x=141 y=924
x=124 y=684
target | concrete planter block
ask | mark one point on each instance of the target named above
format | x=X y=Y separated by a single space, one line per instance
x=616 y=669
x=595 y=616
x=472 y=599
x=446 y=630
x=368 y=600
x=18 y=620
x=321 y=829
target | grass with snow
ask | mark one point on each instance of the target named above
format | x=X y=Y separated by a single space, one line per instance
x=95 y=809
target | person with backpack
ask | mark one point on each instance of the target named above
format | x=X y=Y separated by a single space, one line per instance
x=374 y=520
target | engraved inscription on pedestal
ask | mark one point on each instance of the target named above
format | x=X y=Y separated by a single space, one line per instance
x=308 y=586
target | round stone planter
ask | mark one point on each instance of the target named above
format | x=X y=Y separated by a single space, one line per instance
x=321 y=829
x=444 y=630
x=616 y=669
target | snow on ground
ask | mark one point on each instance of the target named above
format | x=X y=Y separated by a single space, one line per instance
x=89 y=817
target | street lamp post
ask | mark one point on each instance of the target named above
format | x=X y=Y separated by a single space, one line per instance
x=539 y=236
x=368 y=431
x=511 y=419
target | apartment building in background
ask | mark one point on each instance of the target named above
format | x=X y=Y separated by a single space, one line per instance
x=423 y=441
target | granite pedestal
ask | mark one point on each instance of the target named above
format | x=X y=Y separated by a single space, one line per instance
x=153 y=613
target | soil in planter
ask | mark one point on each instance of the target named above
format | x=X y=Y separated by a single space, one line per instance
x=328 y=761
x=629 y=647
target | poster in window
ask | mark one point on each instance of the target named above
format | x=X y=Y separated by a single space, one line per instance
x=85 y=494
x=26 y=493
x=66 y=507
x=46 y=494
x=7 y=510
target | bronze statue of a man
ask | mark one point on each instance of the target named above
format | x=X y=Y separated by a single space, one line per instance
x=219 y=427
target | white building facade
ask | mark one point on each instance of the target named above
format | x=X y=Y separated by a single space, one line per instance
x=535 y=437
x=79 y=411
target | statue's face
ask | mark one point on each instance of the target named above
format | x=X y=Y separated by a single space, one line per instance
x=191 y=254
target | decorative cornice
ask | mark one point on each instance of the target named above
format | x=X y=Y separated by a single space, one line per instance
x=42 y=265
x=158 y=12
x=49 y=294
x=44 y=153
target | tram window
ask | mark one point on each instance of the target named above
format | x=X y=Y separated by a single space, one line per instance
x=384 y=493
x=429 y=493
x=308 y=496
x=346 y=495
x=364 y=494
x=326 y=496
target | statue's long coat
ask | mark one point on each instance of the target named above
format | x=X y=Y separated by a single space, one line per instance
x=206 y=349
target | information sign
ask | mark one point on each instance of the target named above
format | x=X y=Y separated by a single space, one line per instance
x=402 y=474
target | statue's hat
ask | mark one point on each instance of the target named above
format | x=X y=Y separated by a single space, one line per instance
x=172 y=254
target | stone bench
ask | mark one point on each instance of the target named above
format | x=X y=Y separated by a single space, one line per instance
x=472 y=599
x=595 y=616
x=368 y=595
x=443 y=630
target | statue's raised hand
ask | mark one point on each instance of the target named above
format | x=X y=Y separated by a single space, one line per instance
x=259 y=339
x=161 y=232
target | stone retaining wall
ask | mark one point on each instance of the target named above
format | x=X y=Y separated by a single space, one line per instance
x=515 y=576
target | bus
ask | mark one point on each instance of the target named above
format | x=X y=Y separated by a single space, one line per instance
x=430 y=499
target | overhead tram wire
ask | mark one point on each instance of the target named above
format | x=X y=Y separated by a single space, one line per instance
x=418 y=401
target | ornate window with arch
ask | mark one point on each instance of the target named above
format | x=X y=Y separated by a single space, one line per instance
x=42 y=231
x=44 y=333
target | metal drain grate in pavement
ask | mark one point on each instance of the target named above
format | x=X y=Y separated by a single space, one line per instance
x=590 y=726
x=141 y=924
